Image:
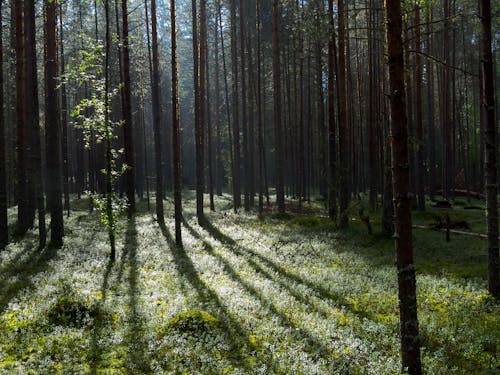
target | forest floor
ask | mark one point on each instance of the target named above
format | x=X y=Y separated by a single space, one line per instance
x=282 y=294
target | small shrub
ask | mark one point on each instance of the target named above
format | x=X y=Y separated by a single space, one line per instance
x=285 y=216
x=69 y=311
x=193 y=321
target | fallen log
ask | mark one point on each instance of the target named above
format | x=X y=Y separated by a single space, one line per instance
x=455 y=231
x=463 y=193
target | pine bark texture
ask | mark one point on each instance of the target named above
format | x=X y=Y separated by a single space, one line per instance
x=491 y=151
x=155 y=103
x=4 y=237
x=52 y=127
x=410 y=341
x=280 y=191
x=127 y=114
x=176 y=145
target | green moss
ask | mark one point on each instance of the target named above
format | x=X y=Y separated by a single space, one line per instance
x=310 y=221
x=69 y=311
x=193 y=321
x=285 y=216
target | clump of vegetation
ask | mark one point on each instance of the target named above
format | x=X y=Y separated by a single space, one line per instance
x=193 y=321
x=285 y=216
x=311 y=221
x=71 y=311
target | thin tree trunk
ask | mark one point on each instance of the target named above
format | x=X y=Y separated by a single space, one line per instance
x=4 y=236
x=176 y=137
x=226 y=93
x=332 y=141
x=431 y=138
x=280 y=191
x=127 y=114
x=418 y=77
x=205 y=99
x=23 y=219
x=199 y=95
x=108 y=133
x=343 y=122
x=236 y=122
x=446 y=107
x=219 y=167
x=32 y=117
x=155 y=102
x=244 y=108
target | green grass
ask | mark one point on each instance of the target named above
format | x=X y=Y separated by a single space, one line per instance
x=280 y=294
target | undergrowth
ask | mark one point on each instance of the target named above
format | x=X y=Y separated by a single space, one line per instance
x=279 y=294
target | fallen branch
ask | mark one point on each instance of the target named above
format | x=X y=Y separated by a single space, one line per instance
x=470 y=234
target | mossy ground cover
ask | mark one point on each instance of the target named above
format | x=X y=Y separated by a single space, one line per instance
x=280 y=294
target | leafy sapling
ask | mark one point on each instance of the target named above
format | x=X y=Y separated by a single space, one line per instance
x=92 y=116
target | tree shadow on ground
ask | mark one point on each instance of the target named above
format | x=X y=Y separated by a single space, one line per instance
x=136 y=359
x=98 y=335
x=314 y=343
x=248 y=254
x=19 y=273
x=235 y=332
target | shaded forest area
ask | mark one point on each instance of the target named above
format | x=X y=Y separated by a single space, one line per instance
x=224 y=186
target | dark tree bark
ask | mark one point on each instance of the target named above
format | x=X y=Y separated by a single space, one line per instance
x=280 y=191
x=52 y=127
x=236 y=122
x=418 y=77
x=199 y=120
x=219 y=166
x=244 y=110
x=332 y=141
x=24 y=218
x=260 y=120
x=446 y=107
x=155 y=102
x=32 y=118
x=372 y=116
x=108 y=133
x=431 y=137
x=491 y=150
x=205 y=118
x=64 y=118
x=127 y=114
x=343 y=122
x=410 y=341
x=4 y=237
x=176 y=145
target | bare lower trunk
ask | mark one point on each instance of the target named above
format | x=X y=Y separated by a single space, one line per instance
x=410 y=341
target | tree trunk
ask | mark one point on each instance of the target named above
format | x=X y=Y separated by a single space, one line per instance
x=155 y=102
x=431 y=138
x=410 y=341
x=418 y=78
x=108 y=136
x=343 y=122
x=332 y=141
x=236 y=122
x=32 y=118
x=280 y=191
x=176 y=136
x=127 y=115
x=219 y=167
x=199 y=96
x=52 y=127
x=24 y=219
x=64 y=118
x=491 y=150
x=4 y=237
